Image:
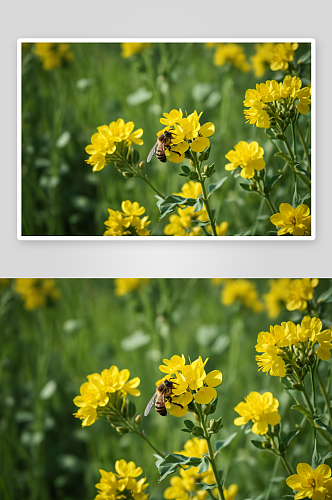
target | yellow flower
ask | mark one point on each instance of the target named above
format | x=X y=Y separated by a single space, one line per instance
x=262 y=409
x=282 y=54
x=127 y=222
x=257 y=114
x=269 y=344
x=129 y=49
x=177 y=152
x=293 y=221
x=243 y=291
x=53 y=55
x=261 y=58
x=300 y=291
x=108 y=138
x=36 y=292
x=95 y=392
x=309 y=483
x=233 y=53
x=123 y=484
x=171 y=118
x=183 y=487
x=277 y=294
x=303 y=95
x=201 y=142
x=126 y=285
x=231 y=492
x=248 y=156
x=311 y=329
x=190 y=382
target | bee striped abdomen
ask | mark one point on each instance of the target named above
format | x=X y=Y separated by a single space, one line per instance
x=161 y=410
x=161 y=155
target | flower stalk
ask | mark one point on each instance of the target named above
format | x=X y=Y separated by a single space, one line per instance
x=197 y=165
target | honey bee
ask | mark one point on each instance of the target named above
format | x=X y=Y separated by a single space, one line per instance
x=163 y=141
x=163 y=393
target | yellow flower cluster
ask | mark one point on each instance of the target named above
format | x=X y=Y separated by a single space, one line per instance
x=36 y=292
x=127 y=222
x=248 y=156
x=184 y=487
x=285 y=341
x=53 y=55
x=259 y=100
x=262 y=409
x=186 y=132
x=282 y=54
x=96 y=392
x=126 y=285
x=108 y=138
x=129 y=49
x=309 y=483
x=293 y=221
x=242 y=290
x=190 y=382
x=261 y=58
x=295 y=294
x=122 y=484
x=232 y=53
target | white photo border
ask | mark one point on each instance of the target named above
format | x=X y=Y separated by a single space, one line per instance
x=312 y=41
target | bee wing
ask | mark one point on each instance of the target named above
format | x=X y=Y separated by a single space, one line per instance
x=150 y=404
x=152 y=152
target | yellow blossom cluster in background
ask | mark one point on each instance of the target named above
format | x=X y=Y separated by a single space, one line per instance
x=293 y=221
x=190 y=383
x=96 y=392
x=186 y=132
x=259 y=99
x=232 y=53
x=282 y=55
x=53 y=55
x=185 y=487
x=129 y=49
x=295 y=294
x=262 y=409
x=262 y=58
x=122 y=484
x=36 y=292
x=278 y=344
x=243 y=291
x=248 y=156
x=126 y=285
x=108 y=138
x=127 y=222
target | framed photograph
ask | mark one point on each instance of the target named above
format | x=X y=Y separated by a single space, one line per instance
x=166 y=138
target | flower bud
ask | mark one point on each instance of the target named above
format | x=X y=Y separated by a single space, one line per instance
x=266 y=445
x=122 y=430
x=127 y=175
x=141 y=165
x=138 y=419
x=192 y=163
x=281 y=137
x=298 y=387
x=211 y=425
x=253 y=187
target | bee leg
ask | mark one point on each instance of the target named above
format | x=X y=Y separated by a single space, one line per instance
x=177 y=404
x=171 y=150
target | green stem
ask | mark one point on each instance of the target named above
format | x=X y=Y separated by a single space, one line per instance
x=205 y=196
x=325 y=396
x=152 y=187
x=301 y=176
x=286 y=464
x=270 y=204
x=207 y=438
x=304 y=145
x=143 y=436
x=324 y=434
x=313 y=390
x=293 y=138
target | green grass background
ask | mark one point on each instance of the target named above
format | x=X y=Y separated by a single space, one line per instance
x=60 y=194
x=46 y=454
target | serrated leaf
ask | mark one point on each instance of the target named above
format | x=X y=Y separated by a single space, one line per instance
x=222 y=444
x=217 y=185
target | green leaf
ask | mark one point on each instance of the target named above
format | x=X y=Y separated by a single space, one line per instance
x=201 y=223
x=285 y=157
x=329 y=455
x=172 y=462
x=193 y=176
x=306 y=197
x=271 y=182
x=189 y=424
x=185 y=169
x=217 y=185
x=305 y=58
x=289 y=437
x=258 y=444
x=205 y=486
x=172 y=202
x=305 y=172
x=246 y=187
x=222 y=444
x=199 y=205
x=185 y=430
x=321 y=425
x=324 y=296
x=204 y=465
x=197 y=431
x=302 y=410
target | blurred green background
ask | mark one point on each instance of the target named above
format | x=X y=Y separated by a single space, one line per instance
x=46 y=354
x=62 y=107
